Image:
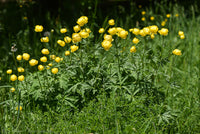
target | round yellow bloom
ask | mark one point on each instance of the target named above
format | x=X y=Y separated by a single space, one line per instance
x=163 y=31
x=143 y=18
x=9 y=71
x=82 y=20
x=106 y=45
x=182 y=36
x=152 y=18
x=33 y=62
x=136 y=31
x=142 y=33
x=131 y=30
x=12 y=89
x=54 y=70
x=180 y=33
x=38 y=28
x=76 y=37
x=177 y=52
x=43 y=59
x=163 y=23
x=123 y=34
x=61 y=43
x=153 y=29
x=146 y=30
x=57 y=59
x=133 y=49
x=135 y=40
x=40 y=67
x=152 y=36
x=19 y=57
x=20 y=69
x=88 y=30
x=45 y=51
x=67 y=53
x=111 y=22
x=76 y=28
x=143 y=12
x=67 y=39
x=52 y=57
x=73 y=48
x=26 y=56
x=177 y=15
x=101 y=30
x=168 y=15
x=63 y=30
x=44 y=39
x=13 y=77
x=50 y=64
x=61 y=59
x=21 y=77
x=112 y=31
x=20 y=108
x=84 y=34
x=119 y=29
x=108 y=37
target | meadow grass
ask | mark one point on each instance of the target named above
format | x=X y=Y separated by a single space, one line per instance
x=104 y=88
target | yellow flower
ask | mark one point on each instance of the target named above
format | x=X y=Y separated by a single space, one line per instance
x=67 y=53
x=153 y=29
x=101 y=30
x=38 y=28
x=33 y=62
x=76 y=28
x=82 y=20
x=133 y=49
x=143 y=19
x=57 y=59
x=180 y=33
x=135 y=40
x=136 y=31
x=177 y=52
x=12 y=89
x=152 y=36
x=52 y=57
x=146 y=30
x=20 y=69
x=84 y=34
x=123 y=34
x=177 y=15
x=111 y=22
x=20 y=108
x=21 y=78
x=73 y=48
x=108 y=37
x=47 y=67
x=131 y=30
x=142 y=33
x=106 y=45
x=54 y=70
x=67 y=39
x=182 y=36
x=43 y=59
x=45 y=51
x=50 y=64
x=19 y=57
x=143 y=12
x=63 y=30
x=0 y=78
x=168 y=15
x=76 y=37
x=13 y=77
x=152 y=18
x=112 y=31
x=26 y=56
x=163 y=31
x=163 y=23
x=87 y=30
x=61 y=59
x=44 y=39
x=9 y=71
x=40 y=67
x=61 y=43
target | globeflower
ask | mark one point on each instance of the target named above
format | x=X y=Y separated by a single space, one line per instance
x=111 y=22
x=67 y=53
x=146 y=30
x=76 y=28
x=163 y=23
x=52 y=57
x=123 y=34
x=182 y=36
x=13 y=77
x=20 y=108
x=21 y=78
x=76 y=37
x=133 y=49
x=82 y=21
x=19 y=57
x=106 y=45
x=38 y=28
x=40 y=67
x=26 y=56
x=9 y=71
x=168 y=15
x=101 y=30
x=33 y=62
x=12 y=89
x=45 y=51
x=180 y=33
x=153 y=29
x=61 y=43
x=20 y=69
x=112 y=31
x=67 y=39
x=152 y=18
x=84 y=34
x=108 y=37
x=63 y=30
x=57 y=59
x=177 y=52
x=43 y=59
x=143 y=12
x=73 y=48
x=135 y=40
x=152 y=36
x=163 y=31
x=44 y=39
x=136 y=31
x=143 y=18
x=54 y=70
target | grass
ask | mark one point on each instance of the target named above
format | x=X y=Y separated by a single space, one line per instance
x=114 y=91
